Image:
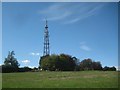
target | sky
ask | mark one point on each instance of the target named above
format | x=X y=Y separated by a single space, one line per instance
x=80 y=29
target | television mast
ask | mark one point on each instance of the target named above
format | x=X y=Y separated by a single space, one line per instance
x=46 y=50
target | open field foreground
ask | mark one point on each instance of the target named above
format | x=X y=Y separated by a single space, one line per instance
x=81 y=79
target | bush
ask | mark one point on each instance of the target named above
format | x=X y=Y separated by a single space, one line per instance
x=24 y=69
x=109 y=68
x=8 y=69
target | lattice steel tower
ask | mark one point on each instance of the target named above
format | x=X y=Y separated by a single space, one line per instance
x=46 y=50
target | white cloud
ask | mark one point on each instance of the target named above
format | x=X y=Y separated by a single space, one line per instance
x=70 y=12
x=35 y=54
x=85 y=12
x=26 y=61
x=55 y=12
x=72 y=21
x=32 y=54
x=83 y=46
x=64 y=15
x=50 y=9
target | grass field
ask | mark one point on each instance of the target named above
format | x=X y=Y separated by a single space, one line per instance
x=81 y=79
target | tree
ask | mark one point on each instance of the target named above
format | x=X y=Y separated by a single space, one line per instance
x=67 y=63
x=50 y=62
x=0 y=68
x=113 y=68
x=96 y=65
x=10 y=60
x=106 y=68
x=60 y=62
x=86 y=64
x=35 y=69
x=10 y=64
x=25 y=69
x=77 y=62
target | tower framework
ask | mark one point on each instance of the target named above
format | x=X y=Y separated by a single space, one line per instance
x=46 y=50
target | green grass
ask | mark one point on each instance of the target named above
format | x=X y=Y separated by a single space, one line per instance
x=81 y=79
x=0 y=80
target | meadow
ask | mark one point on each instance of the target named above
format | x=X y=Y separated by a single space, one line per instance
x=47 y=79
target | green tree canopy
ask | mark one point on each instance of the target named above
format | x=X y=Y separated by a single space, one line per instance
x=10 y=64
x=88 y=64
x=60 y=62
x=11 y=60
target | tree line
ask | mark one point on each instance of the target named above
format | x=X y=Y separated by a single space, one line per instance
x=11 y=65
x=62 y=62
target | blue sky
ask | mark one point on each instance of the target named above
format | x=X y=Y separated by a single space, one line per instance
x=84 y=30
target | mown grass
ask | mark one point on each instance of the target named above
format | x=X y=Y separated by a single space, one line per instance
x=0 y=80
x=81 y=79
